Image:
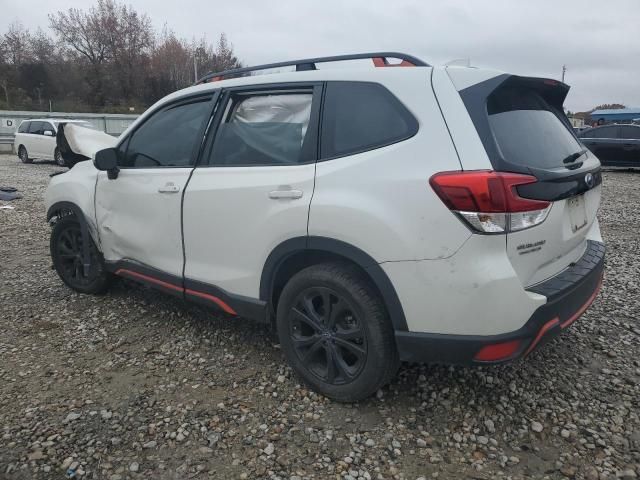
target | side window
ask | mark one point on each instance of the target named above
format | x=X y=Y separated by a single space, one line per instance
x=24 y=127
x=47 y=126
x=37 y=128
x=168 y=137
x=632 y=133
x=602 y=132
x=265 y=129
x=361 y=116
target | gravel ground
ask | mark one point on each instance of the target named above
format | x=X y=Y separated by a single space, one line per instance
x=135 y=384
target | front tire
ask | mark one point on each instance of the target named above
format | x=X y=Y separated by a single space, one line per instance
x=23 y=155
x=57 y=157
x=66 y=253
x=335 y=332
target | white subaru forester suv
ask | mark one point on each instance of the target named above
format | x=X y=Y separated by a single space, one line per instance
x=374 y=215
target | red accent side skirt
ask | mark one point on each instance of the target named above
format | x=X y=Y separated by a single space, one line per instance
x=146 y=278
x=212 y=298
x=130 y=273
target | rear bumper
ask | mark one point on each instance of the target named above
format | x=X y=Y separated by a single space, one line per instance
x=568 y=294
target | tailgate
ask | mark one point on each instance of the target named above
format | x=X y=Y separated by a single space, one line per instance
x=524 y=130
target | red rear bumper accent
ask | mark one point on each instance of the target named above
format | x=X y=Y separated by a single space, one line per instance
x=555 y=322
x=582 y=309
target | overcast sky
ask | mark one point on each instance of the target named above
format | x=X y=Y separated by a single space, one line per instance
x=596 y=39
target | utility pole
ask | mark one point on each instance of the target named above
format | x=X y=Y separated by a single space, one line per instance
x=564 y=69
x=195 y=68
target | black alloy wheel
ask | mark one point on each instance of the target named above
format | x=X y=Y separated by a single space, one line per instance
x=335 y=331
x=67 y=255
x=327 y=335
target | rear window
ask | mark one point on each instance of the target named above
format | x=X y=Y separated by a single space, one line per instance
x=360 y=116
x=527 y=130
x=24 y=127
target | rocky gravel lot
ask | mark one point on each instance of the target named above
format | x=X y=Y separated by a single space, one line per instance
x=135 y=384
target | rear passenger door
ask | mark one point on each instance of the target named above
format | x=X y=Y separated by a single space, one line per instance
x=630 y=139
x=252 y=188
x=602 y=141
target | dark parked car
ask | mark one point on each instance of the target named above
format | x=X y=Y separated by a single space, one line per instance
x=614 y=145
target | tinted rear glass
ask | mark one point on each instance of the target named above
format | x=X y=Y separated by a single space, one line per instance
x=632 y=133
x=601 y=132
x=528 y=131
x=24 y=127
x=360 y=116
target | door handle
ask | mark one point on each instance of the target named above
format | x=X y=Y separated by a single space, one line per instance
x=286 y=194
x=169 y=188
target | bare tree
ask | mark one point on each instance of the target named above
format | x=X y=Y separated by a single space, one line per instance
x=129 y=40
x=43 y=48
x=17 y=44
x=105 y=57
x=224 y=57
x=84 y=32
x=171 y=63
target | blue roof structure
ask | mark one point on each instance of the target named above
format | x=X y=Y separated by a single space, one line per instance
x=616 y=114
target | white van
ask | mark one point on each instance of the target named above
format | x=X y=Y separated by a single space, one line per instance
x=36 y=138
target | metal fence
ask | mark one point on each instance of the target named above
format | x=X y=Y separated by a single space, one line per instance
x=111 y=123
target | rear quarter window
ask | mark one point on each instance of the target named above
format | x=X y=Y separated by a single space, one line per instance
x=24 y=127
x=361 y=116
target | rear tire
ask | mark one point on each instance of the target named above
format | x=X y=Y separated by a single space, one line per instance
x=335 y=332
x=57 y=157
x=66 y=253
x=23 y=155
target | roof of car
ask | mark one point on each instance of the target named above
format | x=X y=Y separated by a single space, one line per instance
x=55 y=120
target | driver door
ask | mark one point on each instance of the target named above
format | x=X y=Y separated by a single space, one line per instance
x=139 y=213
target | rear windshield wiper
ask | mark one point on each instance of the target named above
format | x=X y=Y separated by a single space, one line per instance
x=574 y=156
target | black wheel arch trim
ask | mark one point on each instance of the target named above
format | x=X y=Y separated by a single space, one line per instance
x=329 y=245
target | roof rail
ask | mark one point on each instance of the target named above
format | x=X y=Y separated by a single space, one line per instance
x=379 y=60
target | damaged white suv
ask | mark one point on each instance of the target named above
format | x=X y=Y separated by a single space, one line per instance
x=373 y=214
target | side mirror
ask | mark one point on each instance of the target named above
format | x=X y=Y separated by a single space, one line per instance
x=107 y=161
x=48 y=133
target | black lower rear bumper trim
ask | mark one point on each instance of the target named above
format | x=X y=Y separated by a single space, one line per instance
x=568 y=294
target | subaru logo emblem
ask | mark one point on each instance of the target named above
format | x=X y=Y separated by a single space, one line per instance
x=589 y=180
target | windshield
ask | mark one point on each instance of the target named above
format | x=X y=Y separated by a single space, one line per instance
x=528 y=130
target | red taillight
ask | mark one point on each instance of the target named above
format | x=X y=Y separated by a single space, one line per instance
x=488 y=201
x=484 y=191
x=498 y=351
